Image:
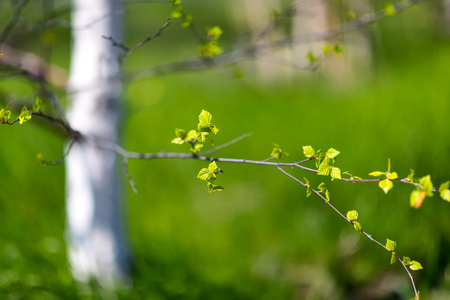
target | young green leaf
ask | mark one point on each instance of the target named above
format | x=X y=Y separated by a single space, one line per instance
x=196 y=149
x=177 y=12
x=427 y=185
x=187 y=21
x=212 y=187
x=337 y=49
x=411 y=175
x=332 y=153
x=406 y=260
x=309 y=151
x=326 y=49
x=324 y=168
x=24 y=116
x=389 y=9
x=213 y=167
x=181 y=133
x=357 y=226
x=40 y=157
x=312 y=58
x=417 y=197
x=352 y=215
x=415 y=265
x=205 y=174
x=277 y=152
x=445 y=191
x=205 y=118
x=386 y=185
x=209 y=48
x=191 y=136
x=177 y=141
x=37 y=104
x=335 y=173
x=376 y=173
x=393 y=258
x=214 y=32
x=390 y=245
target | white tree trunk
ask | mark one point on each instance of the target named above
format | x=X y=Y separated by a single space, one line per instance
x=97 y=246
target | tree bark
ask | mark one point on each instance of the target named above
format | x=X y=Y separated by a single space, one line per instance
x=97 y=247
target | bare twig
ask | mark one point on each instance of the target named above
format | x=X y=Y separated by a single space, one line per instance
x=12 y=21
x=128 y=50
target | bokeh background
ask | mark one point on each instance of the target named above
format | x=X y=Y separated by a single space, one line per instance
x=385 y=97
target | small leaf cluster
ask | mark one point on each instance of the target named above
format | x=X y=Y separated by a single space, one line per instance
x=386 y=184
x=24 y=116
x=197 y=138
x=352 y=215
x=324 y=161
x=277 y=152
x=327 y=49
x=209 y=47
x=179 y=13
x=209 y=175
x=412 y=264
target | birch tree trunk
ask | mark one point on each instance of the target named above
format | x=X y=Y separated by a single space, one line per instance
x=97 y=246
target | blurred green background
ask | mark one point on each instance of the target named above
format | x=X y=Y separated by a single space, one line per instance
x=260 y=238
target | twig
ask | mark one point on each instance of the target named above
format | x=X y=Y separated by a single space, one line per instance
x=12 y=21
x=128 y=50
x=62 y=159
x=318 y=193
x=246 y=135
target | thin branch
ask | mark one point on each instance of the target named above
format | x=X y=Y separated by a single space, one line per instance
x=127 y=174
x=61 y=160
x=12 y=21
x=319 y=193
x=128 y=50
x=246 y=135
x=250 y=51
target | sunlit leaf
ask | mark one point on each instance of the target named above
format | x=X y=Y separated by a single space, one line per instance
x=390 y=245
x=324 y=169
x=214 y=32
x=309 y=151
x=177 y=141
x=386 y=185
x=445 y=191
x=213 y=167
x=357 y=226
x=376 y=173
x=427 y=185
x=411 y=175
x=336 y=173
x=24 y=115
x=352 y=215
x=332 y=153
x=415 y=265
x=205 y=117
x=392 y=175
x=191 y=136
x=177 y=12
x=416 y=198
x=389 y=9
